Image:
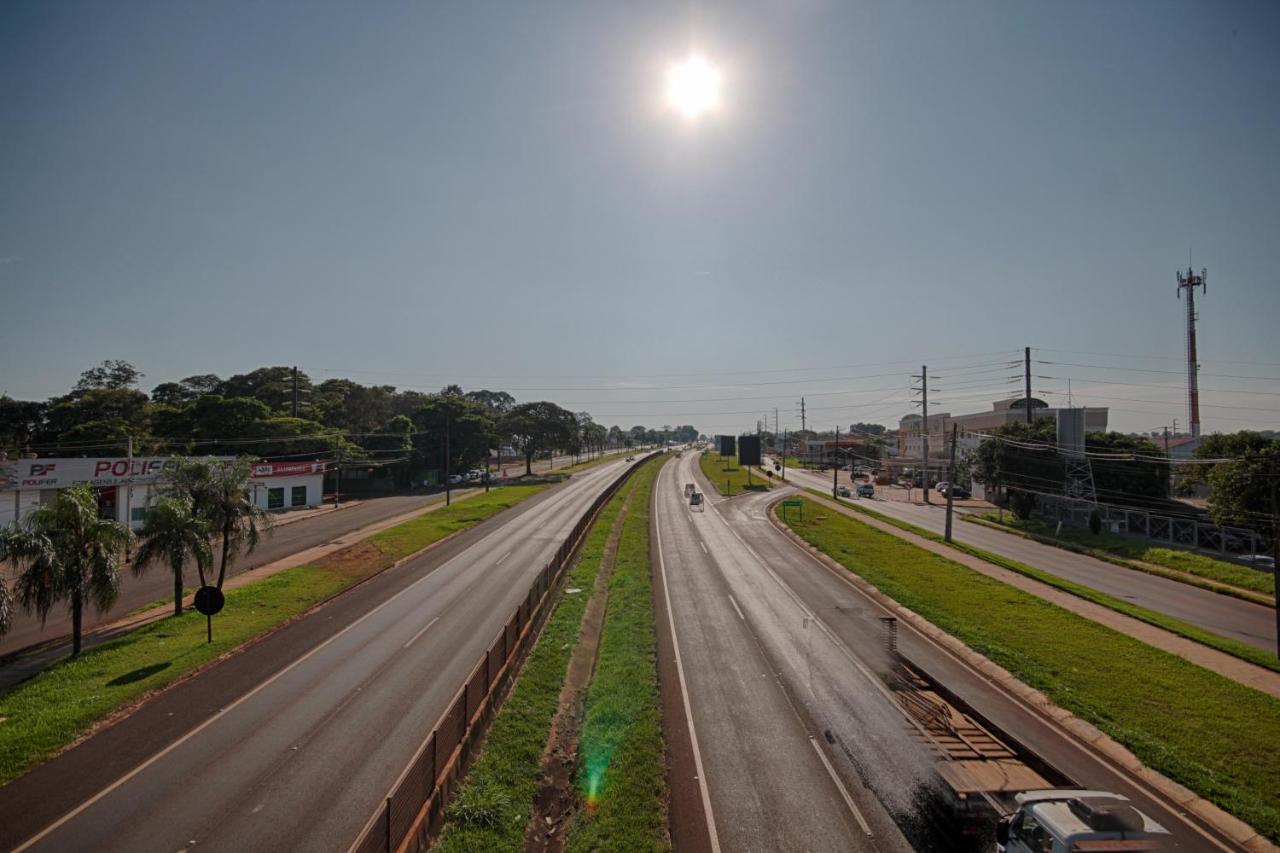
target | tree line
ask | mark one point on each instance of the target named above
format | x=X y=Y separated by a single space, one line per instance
x=280 y=413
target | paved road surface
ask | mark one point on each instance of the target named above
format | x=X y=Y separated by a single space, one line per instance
x=763 y=686
x=850 y=620
x=1222 y=614
x=293 y=744
x=285 y=540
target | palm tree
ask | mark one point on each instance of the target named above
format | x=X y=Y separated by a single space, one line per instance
x=171 y=533
x=219 y=496
x=65 y=552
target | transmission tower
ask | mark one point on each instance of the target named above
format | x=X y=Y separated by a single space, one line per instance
x=1190 y=282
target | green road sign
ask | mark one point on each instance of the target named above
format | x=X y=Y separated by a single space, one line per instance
x=793 y=503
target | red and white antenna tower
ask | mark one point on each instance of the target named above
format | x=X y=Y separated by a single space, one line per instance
x=1191 y=281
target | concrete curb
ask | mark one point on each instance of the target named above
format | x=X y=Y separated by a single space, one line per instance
x=1230 y=826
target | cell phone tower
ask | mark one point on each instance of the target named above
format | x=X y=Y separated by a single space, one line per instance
x=1191 y=281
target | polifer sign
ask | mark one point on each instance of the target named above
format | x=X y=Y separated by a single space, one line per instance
x=58 y=473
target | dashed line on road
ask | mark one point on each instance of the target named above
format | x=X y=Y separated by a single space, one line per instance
x=420 y=633
x=503 y=557
x=844 y=792
x=737 y=608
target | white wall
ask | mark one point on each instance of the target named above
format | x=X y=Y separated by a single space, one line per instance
x=313 y=484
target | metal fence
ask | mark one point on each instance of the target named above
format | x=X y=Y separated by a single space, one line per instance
x=413 y=811
x=1185 y=531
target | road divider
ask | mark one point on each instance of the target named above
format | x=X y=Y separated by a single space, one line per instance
x=413 y=811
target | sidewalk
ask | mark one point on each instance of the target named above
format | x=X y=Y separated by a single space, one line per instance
x=1229 y=666
x=30 y=663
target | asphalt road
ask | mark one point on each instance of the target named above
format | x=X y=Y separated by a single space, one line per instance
x=1222 y=614
x=293 y=744
x=285 y=540
x=763 y=686
x=842 y=617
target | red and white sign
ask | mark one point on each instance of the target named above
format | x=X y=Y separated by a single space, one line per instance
x=57 y=473
x=287 y=469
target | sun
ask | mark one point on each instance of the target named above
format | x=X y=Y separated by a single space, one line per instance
x=693 y=87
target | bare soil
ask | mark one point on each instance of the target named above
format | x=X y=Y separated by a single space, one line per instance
x=557 y=800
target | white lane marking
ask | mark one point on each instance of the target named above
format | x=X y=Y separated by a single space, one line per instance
x=684 y=687
x=703 y=546
x=53 y=827
x=737 y=608
x=423 y=631
x=503 y=557
x=848 y=800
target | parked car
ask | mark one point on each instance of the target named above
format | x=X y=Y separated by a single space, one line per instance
x=866 y=490
x=455 y=479
x=958 y=492
x=843 y=491
x=1261 y=561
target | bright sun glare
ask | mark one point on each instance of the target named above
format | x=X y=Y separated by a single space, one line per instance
x=693 y=87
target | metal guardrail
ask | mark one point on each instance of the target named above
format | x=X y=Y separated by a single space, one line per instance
x=413 y=811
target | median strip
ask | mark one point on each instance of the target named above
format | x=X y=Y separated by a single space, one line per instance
x=492 y=807
x=48 y=713
x=1235 y=648
x=729 y=478
x=1205 y=731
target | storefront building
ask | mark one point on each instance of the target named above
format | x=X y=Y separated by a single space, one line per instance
x=126 y=487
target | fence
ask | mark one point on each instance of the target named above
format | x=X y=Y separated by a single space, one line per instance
x=413 y=811
x=1185 y=531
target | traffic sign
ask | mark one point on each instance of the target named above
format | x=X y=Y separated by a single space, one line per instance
x=209 y=600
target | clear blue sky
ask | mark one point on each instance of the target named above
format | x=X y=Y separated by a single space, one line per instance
x=415 y=193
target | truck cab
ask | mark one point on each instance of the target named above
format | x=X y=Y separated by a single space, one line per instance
x=1077 y=821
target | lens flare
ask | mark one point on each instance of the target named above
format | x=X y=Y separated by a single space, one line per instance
x=693 y=87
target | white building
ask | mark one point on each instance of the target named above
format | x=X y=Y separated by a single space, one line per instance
x=125 y=487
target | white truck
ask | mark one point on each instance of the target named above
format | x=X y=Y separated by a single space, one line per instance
x=1077 y=821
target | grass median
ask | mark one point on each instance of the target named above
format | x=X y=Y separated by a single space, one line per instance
x=1205 y=731
x=621 y=774
x=492 y=808
x=40 y=717
x=1235 y=648
x=728 y=477
x=1112 y=546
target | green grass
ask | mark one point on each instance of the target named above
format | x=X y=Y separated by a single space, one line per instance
x=734 y=480
x=1235 y=648
x=1107 y=545
x=417 y=533
x=492 y=808
x=1205 y=731
x=622 y=767
x=41 y=716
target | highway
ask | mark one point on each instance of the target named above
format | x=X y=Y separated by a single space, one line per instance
x=846 y=620
x=763 y=686
x=1222 y=614
x=285 y=540
x=293 y=744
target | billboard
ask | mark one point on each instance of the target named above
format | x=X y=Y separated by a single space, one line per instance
x=749 y=450
x=59 y=472
x=727 y=445
x=287 y=469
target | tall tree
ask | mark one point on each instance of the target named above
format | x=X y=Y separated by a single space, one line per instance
x=1241 y=487
x=535 y=427
x=220 y=497
x=109 y=375
x=172 y=533
x=65 y=552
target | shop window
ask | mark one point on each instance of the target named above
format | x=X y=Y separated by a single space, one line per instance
x=275 y=498
x=299 y=496
x=138 y=514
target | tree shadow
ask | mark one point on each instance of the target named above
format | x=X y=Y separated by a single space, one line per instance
x=138 y=674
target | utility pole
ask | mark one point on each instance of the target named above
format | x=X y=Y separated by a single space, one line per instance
x=951 y=481
x=1026 y=361
x=924 y=430
x=337 y=477
x=486 y=469
x=295 y=390
x=1275 y=541
x=447 y=485
x=784 y=454
x=835 y=467
x=803 y=425
x=128 y=491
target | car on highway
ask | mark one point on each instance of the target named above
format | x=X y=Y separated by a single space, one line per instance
x=1260 y=561
x=866 y=490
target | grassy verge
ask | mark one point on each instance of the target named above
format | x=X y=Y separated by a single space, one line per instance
x=43 y=715
x=623 y=756
x=728 y=477
x=1205 y=731
x=492 y=808
x=1235 y=648
x=1133 y=553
